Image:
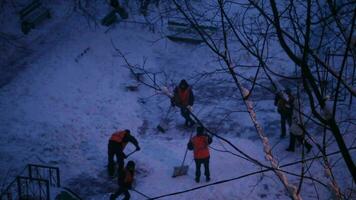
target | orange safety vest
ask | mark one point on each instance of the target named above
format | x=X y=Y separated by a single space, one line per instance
x=184 y=96
x=200 y=147
x=119 y=137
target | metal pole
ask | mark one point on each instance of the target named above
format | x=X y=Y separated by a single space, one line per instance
x=18 y=187
x=58 y=178
x=29 y=170
x=47 y=184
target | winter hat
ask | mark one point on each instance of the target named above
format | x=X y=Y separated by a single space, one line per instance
x=127 y=131
x=183 y=84
x=130 y=165
x=200 y=130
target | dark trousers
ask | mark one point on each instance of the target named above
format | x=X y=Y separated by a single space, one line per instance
x=198 y=163
x=121 y=190
x=114 y=149
x=301 y=139
x=285 y=118
x=186 y=114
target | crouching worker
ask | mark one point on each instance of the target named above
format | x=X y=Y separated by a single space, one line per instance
x=200 y=146
x=116 y=146
x=125 y=180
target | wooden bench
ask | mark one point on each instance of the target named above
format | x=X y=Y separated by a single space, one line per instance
x=181 y=31
x=32 y=15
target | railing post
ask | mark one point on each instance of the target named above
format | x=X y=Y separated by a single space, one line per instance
x=29 y=170
x=18 y=187
x=40 y=189
x=58 y=178
x=47 y=188
x=27 y=182
x=9 y=196
x=50 y=177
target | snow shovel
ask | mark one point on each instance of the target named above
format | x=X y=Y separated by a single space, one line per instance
x=164 y=123
x=182 y=169
x=131 y=153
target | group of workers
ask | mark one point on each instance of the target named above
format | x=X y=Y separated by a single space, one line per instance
x=184 y=99
x=199 y=144
x=289 y=109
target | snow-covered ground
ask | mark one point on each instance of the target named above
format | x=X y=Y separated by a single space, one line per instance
x=61 y=108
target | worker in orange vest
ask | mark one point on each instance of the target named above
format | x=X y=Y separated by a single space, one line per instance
x=284 y=101
x=200 y=146
x=184 y=99
x=125 y=180
x=116 y=146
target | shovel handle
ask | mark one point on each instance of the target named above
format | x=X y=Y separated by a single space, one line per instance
x=130 y=153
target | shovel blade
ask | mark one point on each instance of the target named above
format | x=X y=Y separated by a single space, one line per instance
x=180 y=171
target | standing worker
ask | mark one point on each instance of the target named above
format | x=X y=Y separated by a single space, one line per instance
x=116 y=146
x=125 y=180
x=285 y=108
x=297 y=133
x=200 y=146
x=184 y=99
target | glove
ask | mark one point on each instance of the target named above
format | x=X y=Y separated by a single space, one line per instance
x=138 y=148
x=190 y=108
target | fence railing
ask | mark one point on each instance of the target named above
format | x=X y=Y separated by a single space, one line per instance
x=32 y=188
x=45 y=172
x=32 y=183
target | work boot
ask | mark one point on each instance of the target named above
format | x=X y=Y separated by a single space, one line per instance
x=112 y=197
x=309 y=147
x=197 y=179
x=207 y=179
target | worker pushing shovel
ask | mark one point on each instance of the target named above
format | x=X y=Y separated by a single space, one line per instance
x=183 y=97
x=200 y=146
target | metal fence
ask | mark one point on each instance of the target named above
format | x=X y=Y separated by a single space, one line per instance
x=35 y=185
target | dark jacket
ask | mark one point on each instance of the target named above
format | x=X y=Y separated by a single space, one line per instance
x=132 y=139
x=284 y=107
x=126 y=178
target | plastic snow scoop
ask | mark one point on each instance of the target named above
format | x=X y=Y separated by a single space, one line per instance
x=182 y=169
x=164 y=123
